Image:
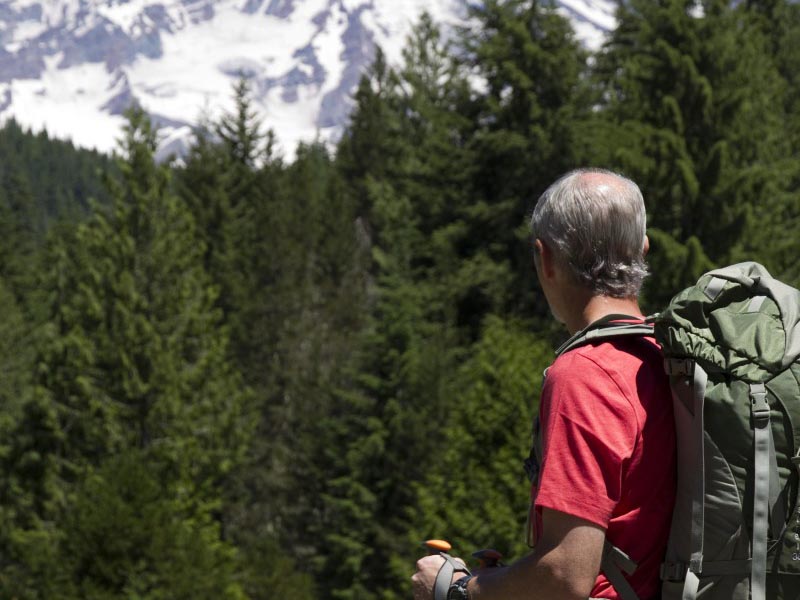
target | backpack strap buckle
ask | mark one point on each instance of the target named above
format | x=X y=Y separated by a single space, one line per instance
x=758 y=404
x=679 y=367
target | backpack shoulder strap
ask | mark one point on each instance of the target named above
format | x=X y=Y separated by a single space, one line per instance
x=609 y=326
x=614 y=560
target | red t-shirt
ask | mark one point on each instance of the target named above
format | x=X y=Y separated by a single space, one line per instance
x=608 y=441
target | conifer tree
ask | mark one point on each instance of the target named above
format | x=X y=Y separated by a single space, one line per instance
x=282 y=247
x=778 y=212
x=21 y=233
x=203 y=185
x=232 y=182
x=269 y=233
x=690 y=88
x=134 y=365
x=249 y=160
x=60 y=178
x=530 y=115
x=300 y=325
x=372 y=145
x=476 y=493
x=372 y=150
x=226 y=185
x=410 y=188
x=143 y=316
x=17 y=500
x=16 y=357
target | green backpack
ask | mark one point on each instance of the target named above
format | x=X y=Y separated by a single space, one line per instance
x=731 y=344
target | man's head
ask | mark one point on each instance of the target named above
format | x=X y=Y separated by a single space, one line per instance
x=593 y=221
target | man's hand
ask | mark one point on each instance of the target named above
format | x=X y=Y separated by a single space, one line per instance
x=563 y=565
x=427 y=569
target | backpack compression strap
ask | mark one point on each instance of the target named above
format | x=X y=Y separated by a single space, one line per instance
x=767 y=506
x=613 y=562
x=766 y=494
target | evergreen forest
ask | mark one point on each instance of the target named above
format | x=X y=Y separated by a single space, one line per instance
x=237 y=375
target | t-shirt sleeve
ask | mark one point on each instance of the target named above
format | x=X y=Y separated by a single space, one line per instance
x=589 y=430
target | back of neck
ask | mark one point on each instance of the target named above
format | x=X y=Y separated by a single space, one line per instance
x=597 y=307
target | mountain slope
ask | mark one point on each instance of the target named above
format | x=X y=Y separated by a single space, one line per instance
x=73 y=66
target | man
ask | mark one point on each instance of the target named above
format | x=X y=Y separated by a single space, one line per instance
x=607 y=438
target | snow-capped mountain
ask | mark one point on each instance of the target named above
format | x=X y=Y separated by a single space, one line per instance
x=74 y=66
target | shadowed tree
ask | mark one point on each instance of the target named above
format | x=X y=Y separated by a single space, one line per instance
x=134 y=364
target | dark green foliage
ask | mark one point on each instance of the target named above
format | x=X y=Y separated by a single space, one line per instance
x=692 y=99
x=410 y=192
x=61 y=178
x=24 y=469
x=138 y=343
x=16 y=355
x=372 y=146
x=475 y=493
x=778 y=211
x=256 y=377
x=530 y=117
x=20 y=238
x=282 y=245
x=133 y=359
x=230 y=183
x=133 y=532
x=268 y=571
x=299 y=317
x=42 y=182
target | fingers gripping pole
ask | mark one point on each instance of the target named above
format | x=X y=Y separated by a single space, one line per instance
x=449 y=567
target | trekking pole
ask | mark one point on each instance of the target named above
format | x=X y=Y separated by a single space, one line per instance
x=488 y=558
x=438 y=546
x=450 y=566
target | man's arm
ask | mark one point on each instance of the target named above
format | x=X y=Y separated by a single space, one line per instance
x=563 y=565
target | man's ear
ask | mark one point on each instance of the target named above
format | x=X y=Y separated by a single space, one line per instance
x=646 y=248
x=545 y=258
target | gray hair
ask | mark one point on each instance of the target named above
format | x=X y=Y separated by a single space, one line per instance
x=594 y=221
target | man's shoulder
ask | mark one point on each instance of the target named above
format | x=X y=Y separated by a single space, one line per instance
x=617 y=370
x=612 y=352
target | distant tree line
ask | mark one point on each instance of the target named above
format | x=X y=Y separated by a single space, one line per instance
x=250 y=377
